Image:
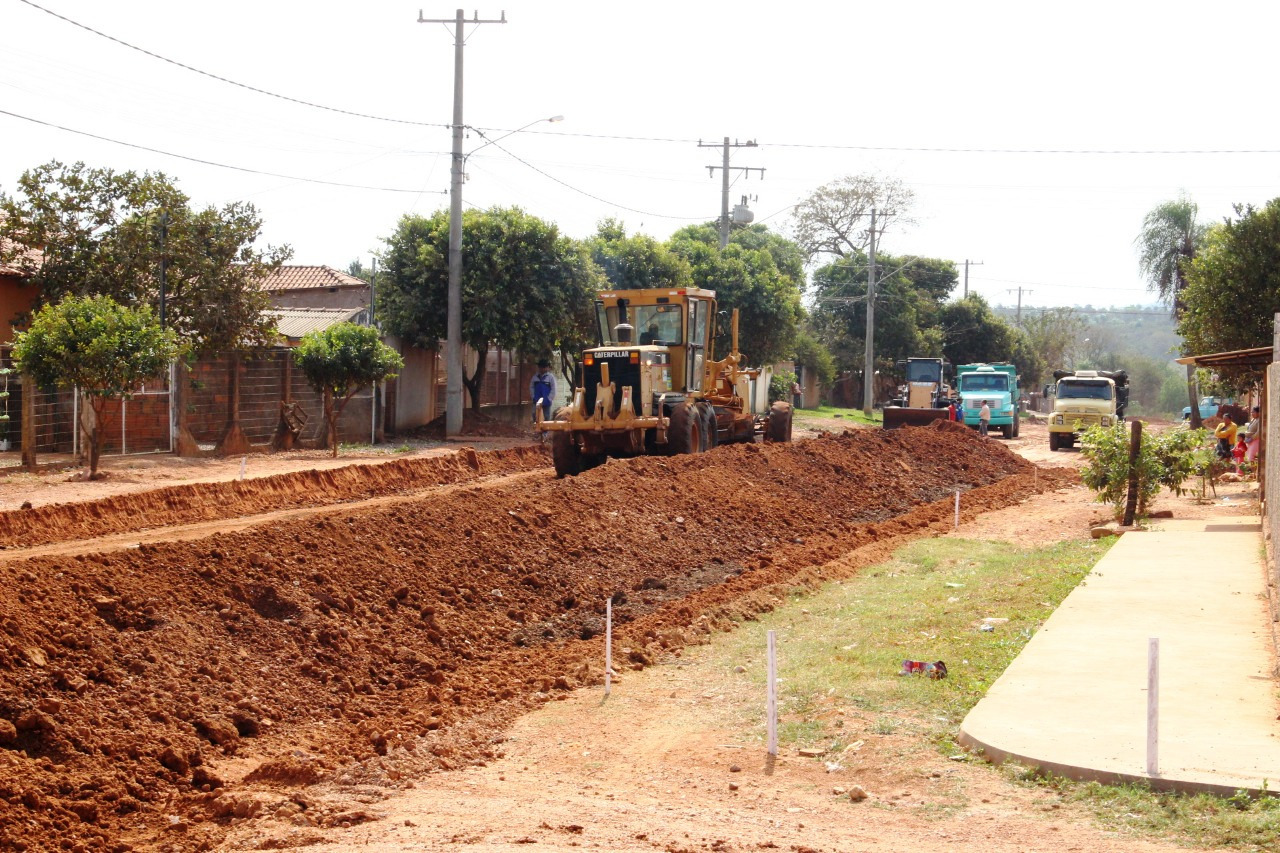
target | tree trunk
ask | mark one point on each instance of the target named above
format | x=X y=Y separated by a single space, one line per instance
x=95 y=435
x=475 y=381
x=184 y=443
x=331 y=422
x=233 y=441
x=1196 y=420
x=1135 y=449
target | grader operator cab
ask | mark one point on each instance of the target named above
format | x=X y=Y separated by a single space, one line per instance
x=660 y=391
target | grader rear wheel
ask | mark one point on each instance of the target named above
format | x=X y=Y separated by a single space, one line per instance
x=778 y=427
x=685 y=433
x=709 y=434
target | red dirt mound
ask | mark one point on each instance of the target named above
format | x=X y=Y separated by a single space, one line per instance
x=368 y=645
x=209 y=501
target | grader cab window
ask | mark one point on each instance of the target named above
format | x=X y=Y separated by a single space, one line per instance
x=660 y=325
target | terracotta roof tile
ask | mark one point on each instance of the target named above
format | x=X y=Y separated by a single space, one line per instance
x=294 y=277
x=296 y=322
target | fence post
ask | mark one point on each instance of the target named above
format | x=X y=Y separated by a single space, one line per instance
x=28 y=422
x=1135 y=445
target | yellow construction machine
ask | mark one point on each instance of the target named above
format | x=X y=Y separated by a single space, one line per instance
x=659 y=391
x=925 y=396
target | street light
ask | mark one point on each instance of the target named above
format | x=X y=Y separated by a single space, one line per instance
x=453 y=320
x=488 y=141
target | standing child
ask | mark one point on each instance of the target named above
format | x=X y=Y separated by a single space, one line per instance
x=1238 y=452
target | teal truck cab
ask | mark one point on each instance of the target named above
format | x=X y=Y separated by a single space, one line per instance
x=997 y=385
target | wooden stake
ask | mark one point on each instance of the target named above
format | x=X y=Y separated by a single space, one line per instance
x=771 y=702
x=608 y=646
x=1153 y=706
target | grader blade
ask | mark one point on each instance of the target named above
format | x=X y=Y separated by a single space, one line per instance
x=897 y=416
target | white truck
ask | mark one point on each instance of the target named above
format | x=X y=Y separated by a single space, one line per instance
x=1085 y=398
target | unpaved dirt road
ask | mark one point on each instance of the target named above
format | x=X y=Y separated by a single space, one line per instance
x=269 y=688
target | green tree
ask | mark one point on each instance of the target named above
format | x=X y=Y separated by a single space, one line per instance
x=524 y=285
x=975 y=334
x=1169 y=241
x=814 y=357
x=97 y=346
x=341 y=361
x=638 y=261
x=1054 y=333
x=757 y=273
x=1233 y=289
x=835 y=219
x=111 y=233
x=102 y=232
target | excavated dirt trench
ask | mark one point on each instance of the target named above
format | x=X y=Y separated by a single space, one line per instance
x=150 y=697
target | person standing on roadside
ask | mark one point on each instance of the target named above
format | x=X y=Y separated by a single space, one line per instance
x=1253 y=434
x=797 y=394
x=542 y=389
x=1225 y=432
x=984 y=418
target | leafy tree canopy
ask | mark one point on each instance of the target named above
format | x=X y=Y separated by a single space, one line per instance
x=340 y=361
x=104 y=232
x=97 y=345
x=747 y=275
x=638 y=261
x=1170 y=237
x=814 y=357
x=975 y=334
x=910 y=293
x=1233 y=288
x=524 y=285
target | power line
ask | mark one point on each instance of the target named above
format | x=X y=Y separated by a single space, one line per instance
x=227 y=80
x=681 y=141
x=208 y=162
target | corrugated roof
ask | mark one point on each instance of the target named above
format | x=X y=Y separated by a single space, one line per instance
x=295 y=322
x=293 y=277
x=1252 y=357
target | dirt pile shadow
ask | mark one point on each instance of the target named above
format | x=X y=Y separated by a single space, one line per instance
x=140 y=688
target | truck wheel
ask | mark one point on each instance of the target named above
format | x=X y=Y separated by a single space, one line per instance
x=685 y=433
x=1007 y=431
x=778 y=427
x=1053 y=441
x=1017 y=426
x=565 y=454
x=709 y=432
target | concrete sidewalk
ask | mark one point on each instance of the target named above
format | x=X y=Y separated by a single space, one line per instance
x=1074 y=702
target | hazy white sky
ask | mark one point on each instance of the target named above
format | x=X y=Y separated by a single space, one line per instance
x=1015 y=123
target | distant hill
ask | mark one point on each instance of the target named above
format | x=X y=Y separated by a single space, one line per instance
x=1146 y=330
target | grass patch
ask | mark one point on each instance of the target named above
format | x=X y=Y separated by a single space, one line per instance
x=840 y=650
x=801 y=417
x=1240 y=821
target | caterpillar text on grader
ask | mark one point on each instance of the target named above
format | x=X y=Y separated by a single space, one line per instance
x=664 y=394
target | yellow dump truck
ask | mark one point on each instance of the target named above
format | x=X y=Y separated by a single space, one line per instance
x=1085 y=398
x=653 y=384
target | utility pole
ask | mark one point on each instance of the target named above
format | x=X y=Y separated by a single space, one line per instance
x=868 y=367
x=966 y=274
x=453 y=324
x=1018 y=321
x=724 y=180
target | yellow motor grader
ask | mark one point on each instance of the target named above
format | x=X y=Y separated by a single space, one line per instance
x=659 y=390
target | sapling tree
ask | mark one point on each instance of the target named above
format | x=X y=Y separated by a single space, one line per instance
x=98 y=346
x=339 y=362
x=1165 y=460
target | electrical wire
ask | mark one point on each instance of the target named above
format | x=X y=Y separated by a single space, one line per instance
x=227 y=80
x=211 y=162
x=681 y=141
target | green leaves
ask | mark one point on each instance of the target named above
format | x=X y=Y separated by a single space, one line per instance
x=345 y=358
x=1166 y=459
x=96 y=344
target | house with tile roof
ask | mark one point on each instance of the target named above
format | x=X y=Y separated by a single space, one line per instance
x=311 y=287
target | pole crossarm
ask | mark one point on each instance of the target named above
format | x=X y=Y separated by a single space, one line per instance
x=726 y=145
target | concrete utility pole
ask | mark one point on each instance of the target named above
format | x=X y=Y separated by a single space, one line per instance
x=724 y=180
x=453 y=327
x=868 y=367
x=966 y=274
x=1018 y=321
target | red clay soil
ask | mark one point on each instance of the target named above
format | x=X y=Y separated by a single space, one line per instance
x=210 y=501
x=151 y=698
x=474 y=423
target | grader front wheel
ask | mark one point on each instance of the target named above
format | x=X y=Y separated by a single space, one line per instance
x=685 y=433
